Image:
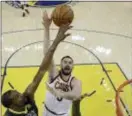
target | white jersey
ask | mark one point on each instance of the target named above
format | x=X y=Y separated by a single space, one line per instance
x=59 y=105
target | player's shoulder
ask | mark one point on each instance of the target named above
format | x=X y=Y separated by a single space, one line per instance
x=76 y=80
x=76 y=83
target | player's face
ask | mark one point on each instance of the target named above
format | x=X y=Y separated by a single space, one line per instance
x=66 y=66
x=17 y=99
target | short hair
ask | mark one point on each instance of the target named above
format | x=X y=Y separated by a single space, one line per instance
x=66 y=57
x=6 y=99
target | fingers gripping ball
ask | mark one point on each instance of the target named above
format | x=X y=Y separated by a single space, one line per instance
x=62 y=15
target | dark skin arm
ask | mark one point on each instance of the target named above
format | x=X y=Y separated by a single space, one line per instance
x=76 y=108
x=31 y=89
x=76 y=104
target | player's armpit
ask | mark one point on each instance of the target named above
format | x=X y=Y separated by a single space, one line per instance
x=53 y=72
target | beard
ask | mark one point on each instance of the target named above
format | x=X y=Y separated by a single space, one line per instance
x=66 y=73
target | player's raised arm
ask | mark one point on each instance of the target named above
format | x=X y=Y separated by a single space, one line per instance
x=46 y=23
x=47 y=60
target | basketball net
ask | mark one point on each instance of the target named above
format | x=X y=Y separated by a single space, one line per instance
x=119 y=111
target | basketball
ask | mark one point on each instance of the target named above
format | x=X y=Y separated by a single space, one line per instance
x=62 y=15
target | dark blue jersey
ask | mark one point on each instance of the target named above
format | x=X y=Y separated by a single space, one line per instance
x=30 y=106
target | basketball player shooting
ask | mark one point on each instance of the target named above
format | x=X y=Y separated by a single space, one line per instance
x=18 y=104
x=62 y=87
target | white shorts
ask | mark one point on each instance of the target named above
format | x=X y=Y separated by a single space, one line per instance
x=47 y=113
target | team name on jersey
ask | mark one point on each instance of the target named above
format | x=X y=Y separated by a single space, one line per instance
x=62 y=86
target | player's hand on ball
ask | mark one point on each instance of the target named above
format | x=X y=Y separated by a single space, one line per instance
x=62 y=32
x=46 y=20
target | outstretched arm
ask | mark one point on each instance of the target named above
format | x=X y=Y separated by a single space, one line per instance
x=46 y=23
x=46 y=61
x=71 y=95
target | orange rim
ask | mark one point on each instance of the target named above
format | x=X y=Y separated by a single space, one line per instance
x=119 y=112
